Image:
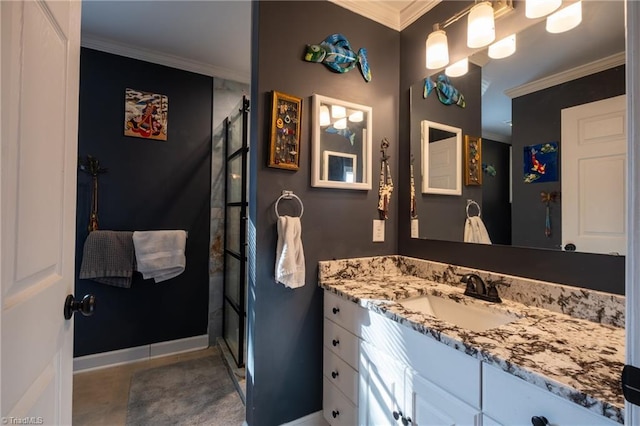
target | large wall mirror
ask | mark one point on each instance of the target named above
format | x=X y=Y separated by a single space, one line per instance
x=522 y=97
x=341 y=141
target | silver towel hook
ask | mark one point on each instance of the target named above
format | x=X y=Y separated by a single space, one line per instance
x=473 y=203
x=288 y=195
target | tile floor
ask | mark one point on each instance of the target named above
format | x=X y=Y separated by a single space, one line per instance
x=100 y=397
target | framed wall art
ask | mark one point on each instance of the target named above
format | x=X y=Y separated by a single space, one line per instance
x=145 y=115
x=284 y=142
x=472 y=160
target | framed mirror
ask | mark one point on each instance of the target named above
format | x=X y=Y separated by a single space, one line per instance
x=341 y=144
x=441 y=159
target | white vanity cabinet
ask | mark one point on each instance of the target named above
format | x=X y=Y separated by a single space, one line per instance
x=342 y=320
x=393 y=393
x=509 y=400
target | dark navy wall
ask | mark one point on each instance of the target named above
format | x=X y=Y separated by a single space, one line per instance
x=150 y=185
x=600 y=272
x=284 y=373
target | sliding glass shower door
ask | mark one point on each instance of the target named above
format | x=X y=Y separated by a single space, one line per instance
x=235 y=247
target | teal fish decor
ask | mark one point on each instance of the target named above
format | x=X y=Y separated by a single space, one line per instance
x=336 y=53
x=447 y=94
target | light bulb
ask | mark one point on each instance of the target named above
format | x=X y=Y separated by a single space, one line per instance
x=481 y=29
x=325 y=119
x=437 y=50
x=503 y=48
x=356 y=117
x=340 y=124
x=338 y=111
x=539 y=8
x=565 y=19
x=458 y=69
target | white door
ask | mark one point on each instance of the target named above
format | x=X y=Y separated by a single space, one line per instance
x=40 y=75
x=443 y=169
x=594 y=156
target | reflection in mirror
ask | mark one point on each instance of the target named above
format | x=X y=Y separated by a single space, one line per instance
x=441 y=159
x=523 y=97
x=341 y=139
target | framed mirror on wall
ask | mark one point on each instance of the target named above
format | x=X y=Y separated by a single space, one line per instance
x=441 y=159
x=522 y=99
x=341 y=144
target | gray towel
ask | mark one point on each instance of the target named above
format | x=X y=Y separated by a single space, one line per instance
x=108 y=258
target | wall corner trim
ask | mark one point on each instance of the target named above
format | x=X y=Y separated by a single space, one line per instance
x=139 y=353
x=110 y=46
x=564 y=76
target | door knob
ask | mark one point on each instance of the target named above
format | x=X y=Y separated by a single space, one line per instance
x=539 y=421
x=86 y=306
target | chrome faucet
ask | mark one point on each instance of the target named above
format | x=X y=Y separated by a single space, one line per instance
x=478 y=289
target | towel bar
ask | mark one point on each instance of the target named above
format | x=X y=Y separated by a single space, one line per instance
x=288 y=195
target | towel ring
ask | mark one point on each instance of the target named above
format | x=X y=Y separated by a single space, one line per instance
x=288 y=195
x=473 y=203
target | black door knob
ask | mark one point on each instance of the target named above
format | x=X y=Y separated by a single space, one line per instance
x=335 y=310
x=335 y=342
x=334 y=374
x=406 y=421
x=86 y=306
x=570 y=247
x=539 y=421
x=397 y=414
x=335 y=413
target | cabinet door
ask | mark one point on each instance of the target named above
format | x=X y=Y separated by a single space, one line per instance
x=430 y=405
x=381 y=387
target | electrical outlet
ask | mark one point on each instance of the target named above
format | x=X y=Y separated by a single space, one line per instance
x=378 y=231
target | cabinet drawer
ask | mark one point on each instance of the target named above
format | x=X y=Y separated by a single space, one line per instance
x=336 y=408
x=344 y=312
x=450 y=369
x=510 y=400
x=341 y=374
x=341 y=342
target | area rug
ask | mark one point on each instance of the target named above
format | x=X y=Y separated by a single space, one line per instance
x=192 y=392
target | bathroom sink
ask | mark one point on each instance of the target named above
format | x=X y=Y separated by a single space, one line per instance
x=472 y=316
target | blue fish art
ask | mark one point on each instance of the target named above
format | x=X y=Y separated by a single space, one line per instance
x=447 y=94
x=336 y=53
x=351 y=137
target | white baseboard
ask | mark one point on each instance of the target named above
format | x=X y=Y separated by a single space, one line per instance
x=313 y=419
x=139 y=353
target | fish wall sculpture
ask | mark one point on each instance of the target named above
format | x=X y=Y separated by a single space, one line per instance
x=447 y=94
x=336 y=53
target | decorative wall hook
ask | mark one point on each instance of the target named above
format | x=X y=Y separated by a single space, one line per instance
x=547 y=198
x=92 y=167
x=386 y=183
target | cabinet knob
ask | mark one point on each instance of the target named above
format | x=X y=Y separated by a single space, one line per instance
x=539 y=421
x=335 y=413
x=335 y=342
x=335 y=310
x=334 y=374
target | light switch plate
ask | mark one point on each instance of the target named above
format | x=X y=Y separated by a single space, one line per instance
x=415 y=233
x=378 y=231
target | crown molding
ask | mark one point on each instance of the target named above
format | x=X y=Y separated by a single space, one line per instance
x=572 y=74
x=156 y=57
x=384 y=14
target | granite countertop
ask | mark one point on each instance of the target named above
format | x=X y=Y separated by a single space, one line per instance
x=574 y=358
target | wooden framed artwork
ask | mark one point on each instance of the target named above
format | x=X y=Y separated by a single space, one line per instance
x=472 y=160
x=146 y=115
x=284 y=142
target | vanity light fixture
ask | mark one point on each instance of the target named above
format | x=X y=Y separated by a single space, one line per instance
x=338 y=111
x=340 y=124
x=503 y=48
x=565 y=19
x=437 y=49
x=458 y=69
x=539 y=8
x=325 y=118
x=481 y=28
x=356 y=117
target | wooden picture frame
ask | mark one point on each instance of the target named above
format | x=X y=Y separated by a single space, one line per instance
x=472 y=160
x=284 y=140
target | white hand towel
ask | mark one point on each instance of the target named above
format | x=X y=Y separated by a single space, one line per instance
x=289 y=252
x=475 y=231
x=160 y=254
